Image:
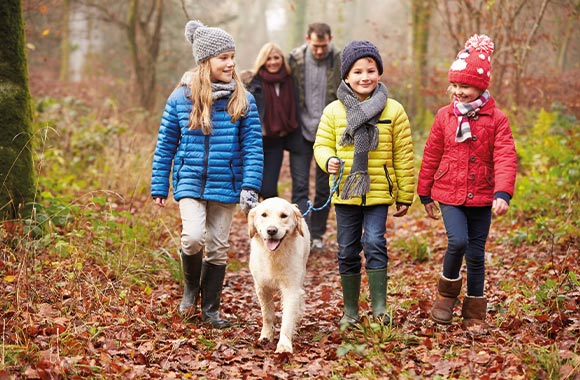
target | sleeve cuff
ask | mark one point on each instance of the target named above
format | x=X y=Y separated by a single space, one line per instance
x=425 y=199
x=503 y=195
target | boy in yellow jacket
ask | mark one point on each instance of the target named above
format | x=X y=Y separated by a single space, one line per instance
x=370 y=135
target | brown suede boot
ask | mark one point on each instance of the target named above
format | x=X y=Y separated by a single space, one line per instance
x=442 y=310
x=473 y=313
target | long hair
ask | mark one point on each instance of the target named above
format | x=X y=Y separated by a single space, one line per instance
x=263 y=54
x=201 y=99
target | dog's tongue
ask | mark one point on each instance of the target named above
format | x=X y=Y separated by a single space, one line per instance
x=272 y=244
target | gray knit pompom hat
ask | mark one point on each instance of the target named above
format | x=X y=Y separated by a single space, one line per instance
x=207 y=42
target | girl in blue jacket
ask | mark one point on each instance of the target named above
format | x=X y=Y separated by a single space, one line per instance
x=210 y=142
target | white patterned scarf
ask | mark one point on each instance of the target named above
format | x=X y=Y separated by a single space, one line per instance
x=466 y=111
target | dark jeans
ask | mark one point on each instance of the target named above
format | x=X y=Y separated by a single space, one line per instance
x=361 y=228
x=301 y=154
x=467 y=229
x=273 y=157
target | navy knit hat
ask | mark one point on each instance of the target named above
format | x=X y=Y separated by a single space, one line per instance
x=359 y=49
x=207 y=42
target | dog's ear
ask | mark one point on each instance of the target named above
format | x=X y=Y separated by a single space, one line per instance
x=251 y=226
x=298 y=219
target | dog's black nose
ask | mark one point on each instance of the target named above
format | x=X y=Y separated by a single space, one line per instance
x=272 y=230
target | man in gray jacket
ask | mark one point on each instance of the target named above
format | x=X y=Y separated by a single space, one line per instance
x=316 y=72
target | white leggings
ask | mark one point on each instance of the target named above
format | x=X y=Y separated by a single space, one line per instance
x=206 y=224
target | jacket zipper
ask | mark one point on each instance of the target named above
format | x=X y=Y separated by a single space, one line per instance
x=389 y=180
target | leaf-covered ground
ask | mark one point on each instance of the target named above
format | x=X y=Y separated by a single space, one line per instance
x=67 y=316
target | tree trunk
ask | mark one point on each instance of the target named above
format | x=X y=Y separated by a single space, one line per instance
x=144 y=35
x=298 y=24
x=421 y=14
x=16 y=166
x=569 y=29
x=65 y=42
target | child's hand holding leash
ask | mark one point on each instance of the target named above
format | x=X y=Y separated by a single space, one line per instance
x=333 y=165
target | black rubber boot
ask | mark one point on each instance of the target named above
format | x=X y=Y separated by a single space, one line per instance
x=212 y=282
x=191 y=265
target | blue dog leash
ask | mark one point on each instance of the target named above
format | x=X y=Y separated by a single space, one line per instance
x=335 y=182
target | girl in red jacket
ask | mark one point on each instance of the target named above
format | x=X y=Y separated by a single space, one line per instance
x=469 y=168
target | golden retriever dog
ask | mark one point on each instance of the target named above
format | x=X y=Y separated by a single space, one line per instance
x=279 y=249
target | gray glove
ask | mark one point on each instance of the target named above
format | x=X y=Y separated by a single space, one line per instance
x=248 y=200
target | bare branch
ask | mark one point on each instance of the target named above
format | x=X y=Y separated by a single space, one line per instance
x=184 y=8
x=534 y=30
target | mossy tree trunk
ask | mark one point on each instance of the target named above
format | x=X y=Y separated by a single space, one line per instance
x=16 y=166
x=421 y=14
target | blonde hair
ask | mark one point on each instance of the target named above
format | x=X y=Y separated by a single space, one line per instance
x=263 y=54
x=201 y=99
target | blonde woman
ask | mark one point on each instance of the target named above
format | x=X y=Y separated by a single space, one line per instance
x=209 y=139
x=273 y=88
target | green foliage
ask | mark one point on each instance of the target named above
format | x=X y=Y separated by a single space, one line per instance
x=553 y=366
x=548 y=183
x=75 y=140
x=416 y=248
x=367 y=343
x=80 y=149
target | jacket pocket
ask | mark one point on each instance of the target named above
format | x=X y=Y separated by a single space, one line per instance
x=489 y=177
x=389 y=180
x=441 y=171
x=233 y=177
x=178 y=172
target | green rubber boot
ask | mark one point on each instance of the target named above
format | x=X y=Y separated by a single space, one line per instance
x=350 y=295
x=378 y=289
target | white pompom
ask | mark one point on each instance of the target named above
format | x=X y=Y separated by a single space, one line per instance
x=480 y=42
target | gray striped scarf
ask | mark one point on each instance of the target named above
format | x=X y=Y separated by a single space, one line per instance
x=361 y=130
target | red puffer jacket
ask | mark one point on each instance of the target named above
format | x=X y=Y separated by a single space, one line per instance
x=471 y=172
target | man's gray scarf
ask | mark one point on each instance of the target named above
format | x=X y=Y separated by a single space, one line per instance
x=361 y=130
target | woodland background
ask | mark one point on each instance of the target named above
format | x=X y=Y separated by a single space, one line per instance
x=90 y=280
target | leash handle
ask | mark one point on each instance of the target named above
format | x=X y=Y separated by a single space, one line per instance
x=335 y=183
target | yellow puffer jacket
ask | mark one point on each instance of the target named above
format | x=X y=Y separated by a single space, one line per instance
x=391 y=166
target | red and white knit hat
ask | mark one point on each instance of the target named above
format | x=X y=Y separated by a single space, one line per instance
x=473 y=64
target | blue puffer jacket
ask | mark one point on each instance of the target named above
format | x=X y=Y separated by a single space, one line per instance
x=213 y=167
